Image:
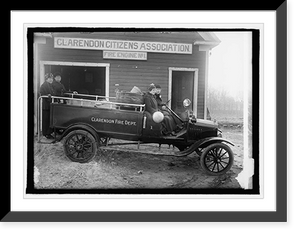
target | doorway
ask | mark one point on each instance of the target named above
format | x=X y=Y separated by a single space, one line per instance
x=85 y=78
x=183 y=84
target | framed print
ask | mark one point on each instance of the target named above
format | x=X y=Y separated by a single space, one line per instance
x=176 y=152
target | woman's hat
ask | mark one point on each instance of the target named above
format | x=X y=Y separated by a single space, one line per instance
x=57 y=74
x=151 y=87
x=48 y=75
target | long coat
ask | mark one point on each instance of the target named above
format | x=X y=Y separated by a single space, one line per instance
x=151 y=105
x=46 y=89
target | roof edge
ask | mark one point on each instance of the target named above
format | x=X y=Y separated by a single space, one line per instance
x=210 y=40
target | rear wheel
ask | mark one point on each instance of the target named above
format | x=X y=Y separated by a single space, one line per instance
x=80 y=146
x=216 y=159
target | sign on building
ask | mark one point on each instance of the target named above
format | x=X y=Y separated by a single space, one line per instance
x=122 y=45
x=125 y=55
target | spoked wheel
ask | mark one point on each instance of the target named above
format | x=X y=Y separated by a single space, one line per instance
x=216 y=159
x=80 y=146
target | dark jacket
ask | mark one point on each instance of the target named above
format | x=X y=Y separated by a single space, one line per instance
x=46 y=89
x=159 y=101
x=150 y=103
x=58 y=88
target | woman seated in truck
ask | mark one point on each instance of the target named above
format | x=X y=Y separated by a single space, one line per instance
x=166 y=112
x=151 y=106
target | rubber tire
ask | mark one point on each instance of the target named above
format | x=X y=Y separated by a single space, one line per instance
x=88 y=140
x=206 y=151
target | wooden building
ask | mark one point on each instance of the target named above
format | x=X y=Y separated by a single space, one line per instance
x=98 y=62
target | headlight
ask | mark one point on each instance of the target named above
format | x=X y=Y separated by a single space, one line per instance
x=219 y=133
x=186 y=103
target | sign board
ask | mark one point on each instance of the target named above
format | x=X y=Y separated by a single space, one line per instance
x=125 y=55
x=122 y=45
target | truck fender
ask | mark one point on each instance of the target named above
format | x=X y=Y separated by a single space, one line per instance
x=80 y=126
x=201 y=144
x=213 y=140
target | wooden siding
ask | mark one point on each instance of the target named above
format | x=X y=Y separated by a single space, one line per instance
x=129 y=73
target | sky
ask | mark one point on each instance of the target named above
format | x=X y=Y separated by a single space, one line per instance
x=230 y=62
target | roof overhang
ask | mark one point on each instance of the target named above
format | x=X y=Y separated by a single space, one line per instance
x=40 y=38
x=210 y=40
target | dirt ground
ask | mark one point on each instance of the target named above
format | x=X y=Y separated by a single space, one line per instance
x=126 y=167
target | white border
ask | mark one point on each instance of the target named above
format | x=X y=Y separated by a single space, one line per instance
x=141 y=19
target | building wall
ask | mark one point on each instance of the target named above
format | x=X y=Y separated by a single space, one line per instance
x=129 y=73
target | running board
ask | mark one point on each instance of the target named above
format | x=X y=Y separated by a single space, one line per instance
x=189 y=150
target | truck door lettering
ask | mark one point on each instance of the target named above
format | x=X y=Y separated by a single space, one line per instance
x=102 y=120
x=114 y=121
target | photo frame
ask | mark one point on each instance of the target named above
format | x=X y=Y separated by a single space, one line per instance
x=177 y=216
x=248 y=39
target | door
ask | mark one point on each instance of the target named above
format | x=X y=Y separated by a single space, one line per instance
x=182 y=88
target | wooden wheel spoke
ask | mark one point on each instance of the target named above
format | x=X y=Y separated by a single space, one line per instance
x=216 y=159
x=80 y=146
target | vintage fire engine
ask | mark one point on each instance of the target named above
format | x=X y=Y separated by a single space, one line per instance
x=86 y=122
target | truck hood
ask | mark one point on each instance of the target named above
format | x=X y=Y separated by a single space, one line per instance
x=207 y=123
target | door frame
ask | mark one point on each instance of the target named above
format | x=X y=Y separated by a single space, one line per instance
x=195 y=97
x=79 y=64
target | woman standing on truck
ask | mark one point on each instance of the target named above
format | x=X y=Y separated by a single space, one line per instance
x=46 y=89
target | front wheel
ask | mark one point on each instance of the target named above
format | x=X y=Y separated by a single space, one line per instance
x=80 y=146
x=216 y=159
